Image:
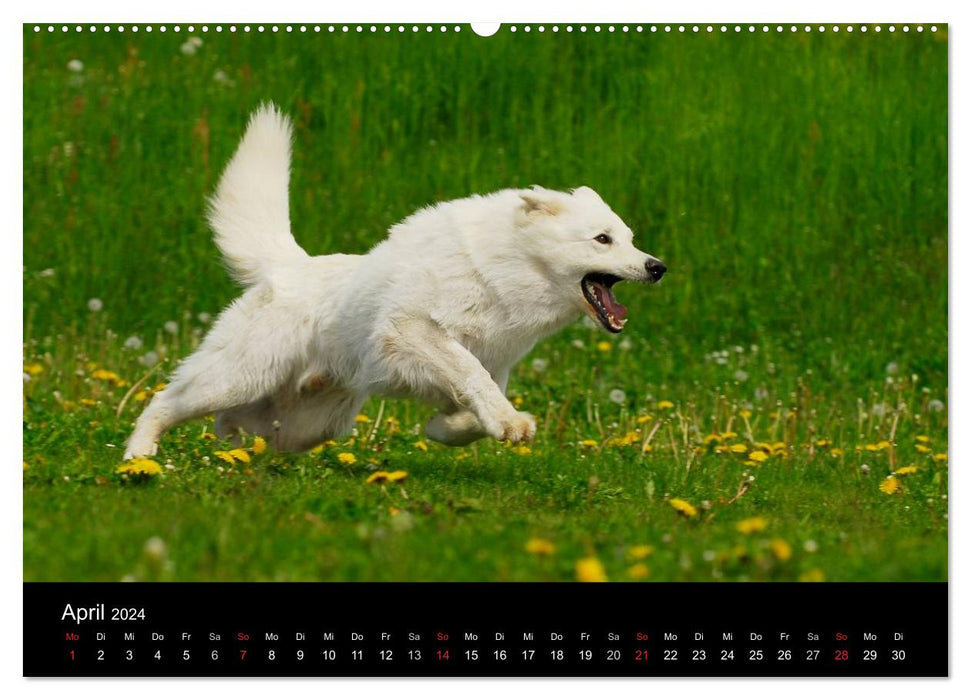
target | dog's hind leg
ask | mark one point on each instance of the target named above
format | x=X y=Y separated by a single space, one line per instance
x=208 y=382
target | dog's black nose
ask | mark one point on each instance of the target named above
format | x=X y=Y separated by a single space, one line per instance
x=655 y=269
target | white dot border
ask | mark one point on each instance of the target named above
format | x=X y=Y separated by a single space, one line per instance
x=688 y=29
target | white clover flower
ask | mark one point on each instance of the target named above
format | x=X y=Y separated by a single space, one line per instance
x=195 y=41
x=171 y=327
x=577 y=343
x=540 y=365
x=149 y=359
x=625 y=344
x=741 y=375
x=75 y=66
x=864 y=468
x=156 y=549
x=95 y=305
x=204 y=317
x=935 y=405
x=721 y=360
x=188 y=48
x=133 y=343
x=49 y=272
x=617 y=396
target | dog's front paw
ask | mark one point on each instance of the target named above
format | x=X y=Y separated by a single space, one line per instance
x=140 y=450
x=520 y=427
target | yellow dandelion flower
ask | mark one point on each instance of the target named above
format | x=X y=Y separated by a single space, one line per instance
x=346 y=458
x=940 y=457
x=922 y=438
x=781 y=549
x=638 y=570
x=105 y=374
x=26 y=467
x=361 y=418
x=640 y=551
x=751 y=525
x=34 y=368
x=750 y=463
x=738 y=448
x=906 y=470
x=778 y=447
x=398 y=475
x=517 y=401
x=259 y=445
x=872 y=448
x=376 y=477
x=836 y=452
x=683 y=507
x=317 y=450
x=421 y=445
x=522 y=450
x=822 y=444
x=392 y=511
x=88 y=402
x=208 y=436
x=758 y=456
x=604 y=346
x=537 y=545
x=883 y=445
x=647 y=448
x=664 y=405
x=728 y=435
x=745 y=413
x=712 y=438
x=812 y=576
x=140 y=466
x=141 y=395
x=625 y=440
x=644 y=418
x=890 y=485
x=241 y=455
x=590 y=570
x=589 y=443
x=923 y=449
x=225 y=456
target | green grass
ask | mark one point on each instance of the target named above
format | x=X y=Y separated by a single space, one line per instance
x=795 y=185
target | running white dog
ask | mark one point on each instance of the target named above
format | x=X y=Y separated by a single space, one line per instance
x=440 y=311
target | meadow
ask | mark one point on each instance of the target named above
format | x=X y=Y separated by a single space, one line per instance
x=775 y=410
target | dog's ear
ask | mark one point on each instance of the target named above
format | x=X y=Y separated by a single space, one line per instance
x=586 y=192
x=538 y=204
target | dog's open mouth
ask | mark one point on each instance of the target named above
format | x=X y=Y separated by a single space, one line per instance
x=597 y=291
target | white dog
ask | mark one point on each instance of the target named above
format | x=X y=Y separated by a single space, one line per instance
x=440 y=311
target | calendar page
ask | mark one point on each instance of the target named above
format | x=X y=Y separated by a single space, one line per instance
x=606 y=349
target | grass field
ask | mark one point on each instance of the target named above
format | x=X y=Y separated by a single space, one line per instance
x=775 y=410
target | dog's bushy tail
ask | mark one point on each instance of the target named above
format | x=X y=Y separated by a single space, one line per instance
x=249 y=212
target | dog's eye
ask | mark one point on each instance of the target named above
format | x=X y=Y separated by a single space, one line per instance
x=604 y=238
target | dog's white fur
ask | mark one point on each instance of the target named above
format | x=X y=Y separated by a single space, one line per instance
x=439 y=311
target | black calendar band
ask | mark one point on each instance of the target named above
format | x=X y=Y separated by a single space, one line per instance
x=485 y=629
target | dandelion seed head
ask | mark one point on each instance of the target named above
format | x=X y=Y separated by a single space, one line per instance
x=625 y=344
x=204 y=317
x=810 y=546
x=75 y=66
x=864 y=468
x=935 y=405
x=133 y=343
x=149 y=359
x=617 y=396
x=892 y=368
x=879 y=410
x=95 y=304
x=761 y=393
x=171 y=327
x=156 y=549
x=540 y=365
x=741 y=375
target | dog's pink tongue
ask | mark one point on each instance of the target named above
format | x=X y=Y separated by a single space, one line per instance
x=616 y=309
